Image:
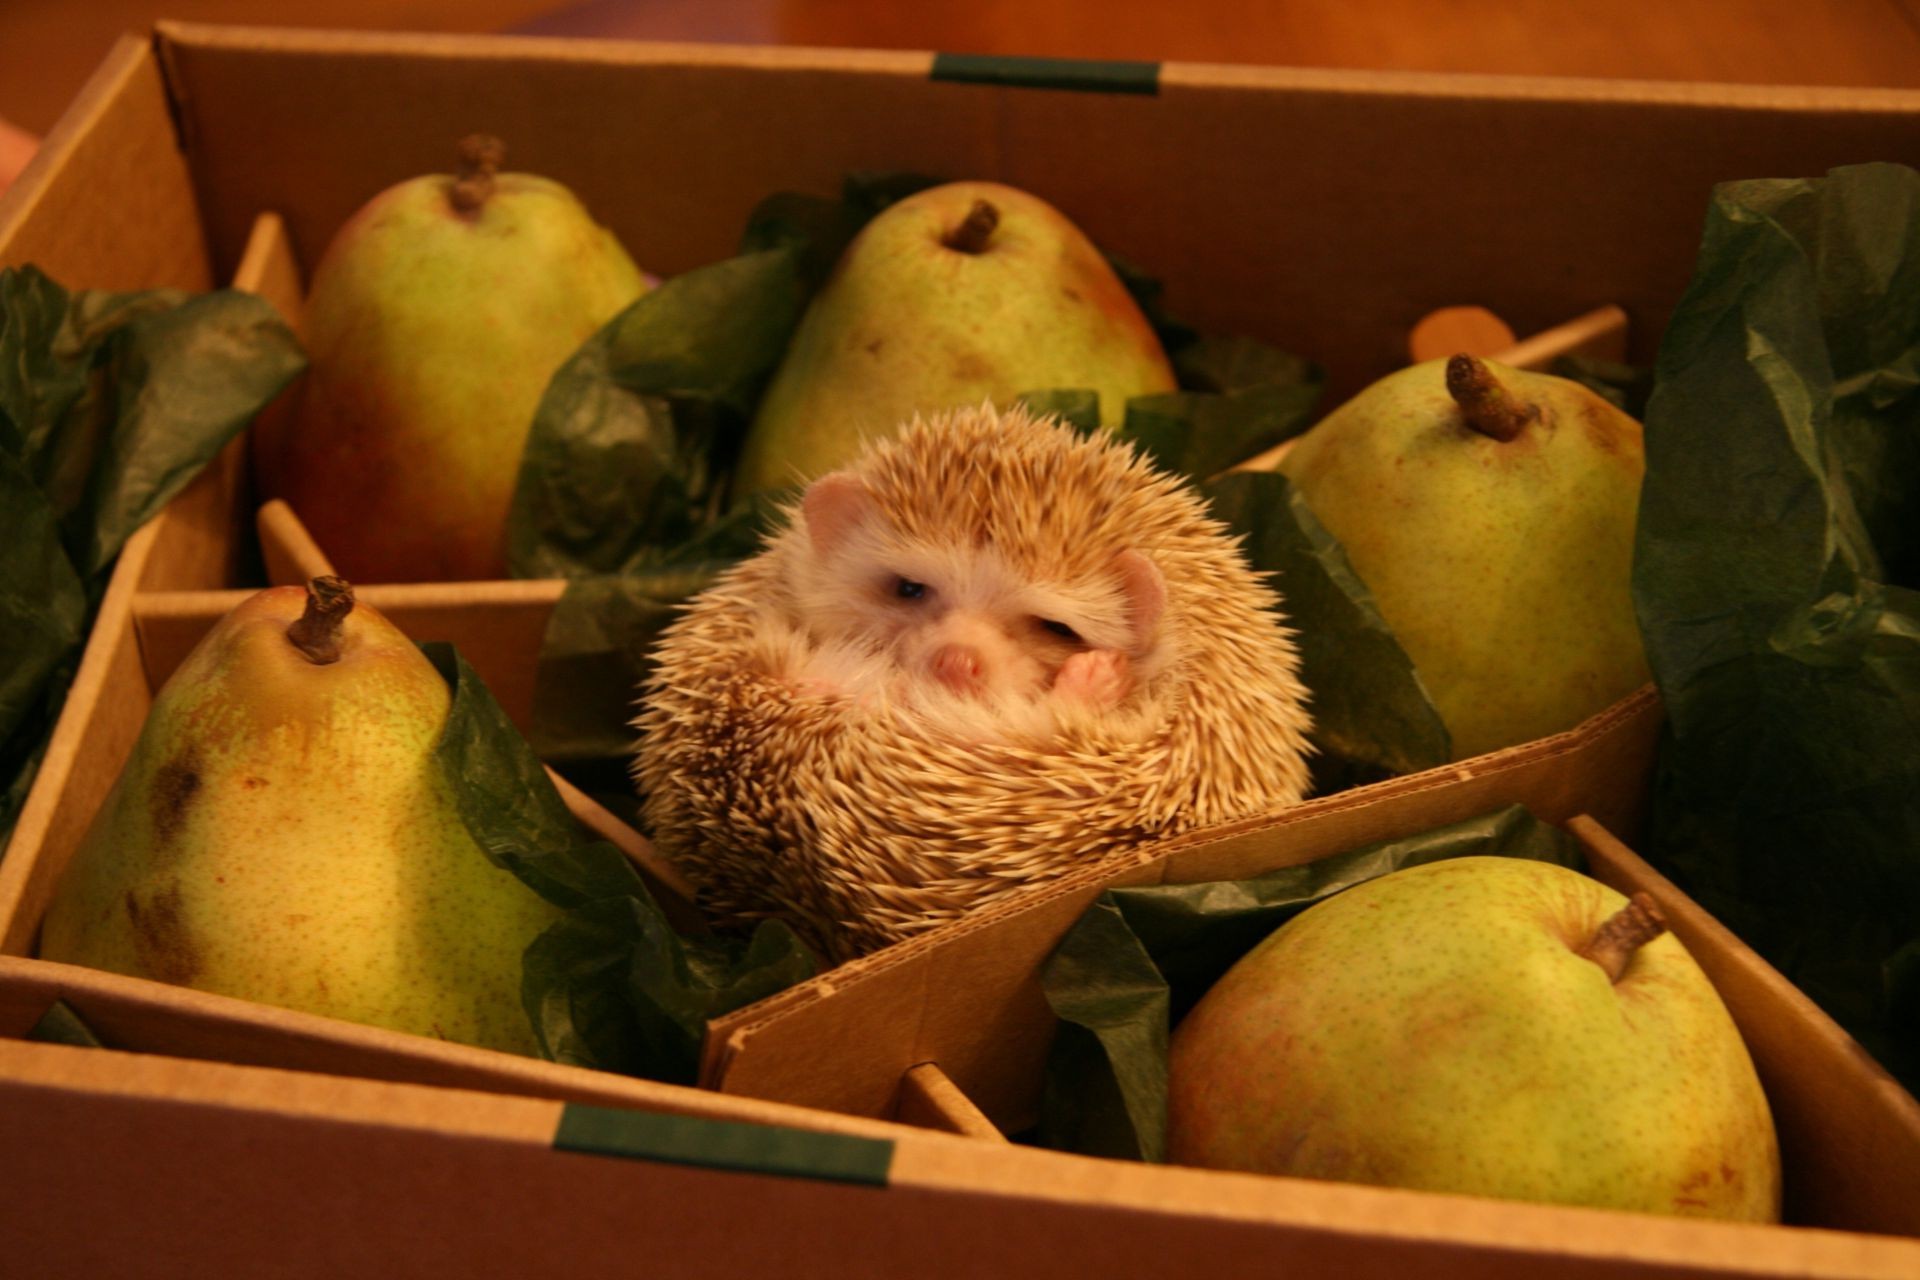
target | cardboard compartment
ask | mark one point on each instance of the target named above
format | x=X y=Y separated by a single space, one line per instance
x=600 y=1171
x=191 y=1168
x=1327 y=213
x=967 y=996
x=969 y=1002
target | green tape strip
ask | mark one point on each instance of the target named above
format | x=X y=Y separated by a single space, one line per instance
x=1048 y=73
x=61 y=1025
x=723 y=1144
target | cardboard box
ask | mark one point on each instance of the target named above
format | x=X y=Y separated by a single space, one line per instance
x=1325 y=212
x=179 y=1158
x=130 y=1162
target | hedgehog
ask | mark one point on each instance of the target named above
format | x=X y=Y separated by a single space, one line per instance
x=991 y=651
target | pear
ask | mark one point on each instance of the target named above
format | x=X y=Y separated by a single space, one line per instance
x=436 y=318
x=958 y=294
x=1490 y=512
x=1483 y=1026
x=281 y=833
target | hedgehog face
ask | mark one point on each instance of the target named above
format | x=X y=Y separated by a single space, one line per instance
x=958 y=616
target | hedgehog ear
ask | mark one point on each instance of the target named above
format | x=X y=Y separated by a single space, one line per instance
x=833 y=507
x=1146 y=595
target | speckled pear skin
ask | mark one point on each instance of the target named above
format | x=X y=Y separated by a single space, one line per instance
x=280 y=833
x=1436 y=1029
x=1504 y=568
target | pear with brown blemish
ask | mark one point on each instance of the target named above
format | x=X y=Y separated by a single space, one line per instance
x=960 y=293
x=282 y=833
x=1490 y=511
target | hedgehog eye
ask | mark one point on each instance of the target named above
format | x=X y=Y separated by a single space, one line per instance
x=908 y=589
x=1060 y=629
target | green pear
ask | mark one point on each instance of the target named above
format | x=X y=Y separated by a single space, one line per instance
x=1490 y=512
x=1485 y=1026
x=962 y=293
x=436 y=318
x=281 y=833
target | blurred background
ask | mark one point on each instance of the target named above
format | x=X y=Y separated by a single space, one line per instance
x=49 y=47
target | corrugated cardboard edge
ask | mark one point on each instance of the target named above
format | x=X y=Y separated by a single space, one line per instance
x=914 y=999
x=111 y=140
x=1848 y=1127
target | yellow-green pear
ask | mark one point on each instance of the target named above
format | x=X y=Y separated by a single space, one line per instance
x=436 y=318
x=1490 y=511
x=958 y=294
x=281 y=833
x=1483 y=1026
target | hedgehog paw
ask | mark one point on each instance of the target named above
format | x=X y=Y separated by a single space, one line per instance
x=1098 y=678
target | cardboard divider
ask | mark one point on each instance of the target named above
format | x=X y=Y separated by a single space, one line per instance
x=289 y=552
x=108 y=200
x=180 y=1022
x=1474 y=330
x=1848 y=1130
x=929 y=1100
x=1600 y=333
x=1849 y=1134
x=967 y=996
x=71 y=782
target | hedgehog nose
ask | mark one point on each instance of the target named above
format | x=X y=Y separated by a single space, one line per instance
x=957 y=666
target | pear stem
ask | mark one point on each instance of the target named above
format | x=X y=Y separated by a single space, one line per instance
x=1624 y=932
x=975 y=230
x=1488 y=407
x=481 y=156
x=316 y=632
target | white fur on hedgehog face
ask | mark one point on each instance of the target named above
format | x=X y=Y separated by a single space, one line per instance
x=957 y=620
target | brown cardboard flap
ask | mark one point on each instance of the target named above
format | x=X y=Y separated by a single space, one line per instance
x=972 y=989
x=107 y=202
x=1849 y=1132
x=1599 y=767
x=856 y=1033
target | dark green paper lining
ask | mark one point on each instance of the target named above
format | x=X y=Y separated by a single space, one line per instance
x=731 y=1145
x=61 y=1024
x=1080 y=74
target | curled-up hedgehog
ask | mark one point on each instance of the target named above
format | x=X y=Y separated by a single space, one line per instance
x=990 y=652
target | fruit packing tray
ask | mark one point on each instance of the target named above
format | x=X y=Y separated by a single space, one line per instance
x=203 y=128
